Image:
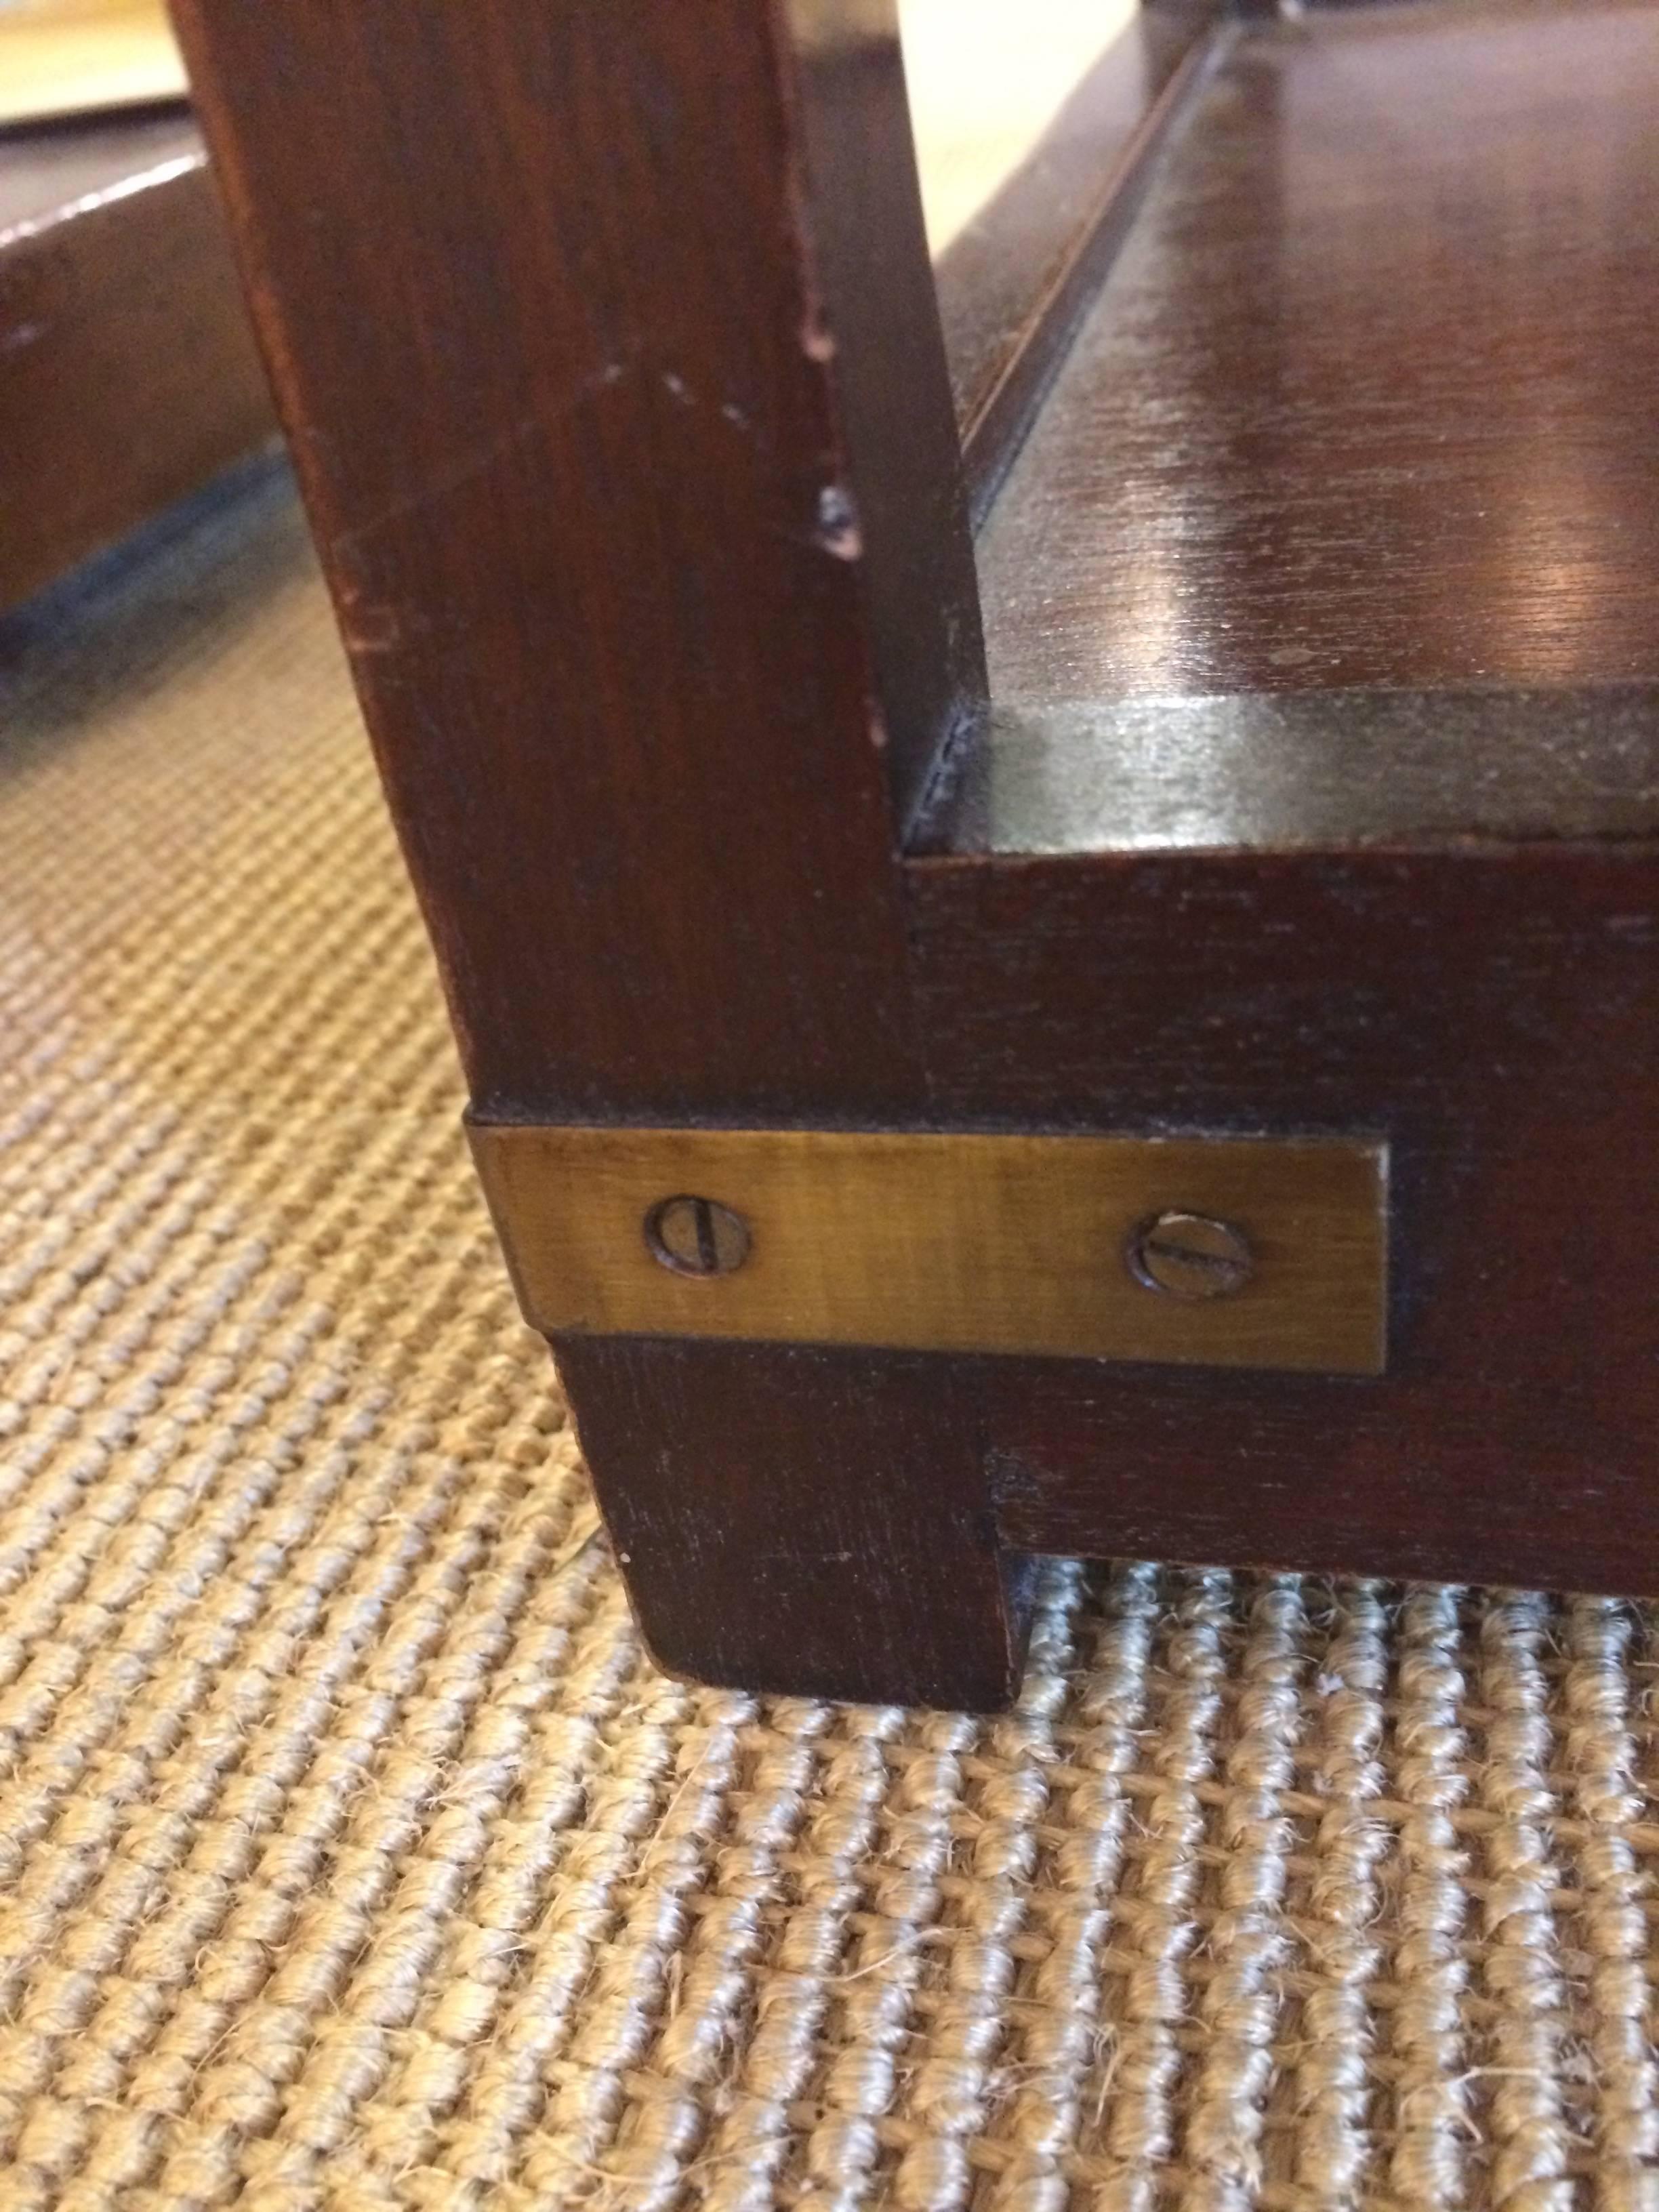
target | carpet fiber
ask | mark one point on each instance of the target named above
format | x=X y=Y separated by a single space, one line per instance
x=352 y=1856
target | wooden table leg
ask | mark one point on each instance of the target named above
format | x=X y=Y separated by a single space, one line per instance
x=607 y=344
x=808 y=1519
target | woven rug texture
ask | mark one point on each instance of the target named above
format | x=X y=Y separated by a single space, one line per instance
x=351 y=1853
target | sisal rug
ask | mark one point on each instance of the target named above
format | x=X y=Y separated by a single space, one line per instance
x=352 y=1856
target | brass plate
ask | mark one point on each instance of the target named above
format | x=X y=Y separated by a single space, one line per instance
x=949 y=1242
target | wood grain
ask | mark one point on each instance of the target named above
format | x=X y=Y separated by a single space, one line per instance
x=128 y=374
x=615 y=477
x=1014 y=281
x=636 y=492
x=1369 y=399
x=1284 y=770
x=815 y=1521
x=1496 y=1011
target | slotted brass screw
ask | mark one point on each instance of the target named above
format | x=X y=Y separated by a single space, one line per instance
x=1190 y=1255
x=696 y=1236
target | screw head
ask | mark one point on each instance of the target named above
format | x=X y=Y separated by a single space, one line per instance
x=696 y=1236
x=1190 y=1255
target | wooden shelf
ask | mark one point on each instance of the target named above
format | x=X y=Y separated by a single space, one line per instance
x=1350 y=466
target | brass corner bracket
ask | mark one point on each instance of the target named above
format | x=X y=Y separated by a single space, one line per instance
x=1205 y=1251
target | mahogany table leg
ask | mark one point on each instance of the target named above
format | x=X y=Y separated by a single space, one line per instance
x=607 y=344
x=796 y=1519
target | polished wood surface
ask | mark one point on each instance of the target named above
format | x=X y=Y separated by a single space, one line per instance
x=813 y=1519
x=1369 y=399
x=1496 y=1011
x=128 y=376
x=1287 y=769
x=1362 y=421
x=640 y=511
x=1013 y=281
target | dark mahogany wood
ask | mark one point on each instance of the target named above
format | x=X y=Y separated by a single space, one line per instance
x=1369 y=397
x=611 y=360
x=817 y=1520
x=128 y=375
x=1495 y=1013
x=637 y=504
x=1280 y=771
x=607 y=344
x=1014 y=281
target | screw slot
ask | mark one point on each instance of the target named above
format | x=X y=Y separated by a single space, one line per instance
x=1190 y=1255
x=693 y=1235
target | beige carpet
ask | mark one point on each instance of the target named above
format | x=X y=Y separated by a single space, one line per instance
x=352 y=1854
